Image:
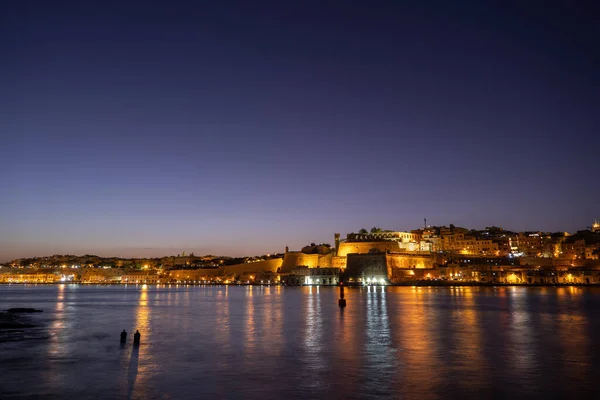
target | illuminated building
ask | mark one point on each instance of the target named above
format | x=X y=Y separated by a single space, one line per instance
x=151 y=277
x=468 y=245
x=14 y=276
x=313 y=276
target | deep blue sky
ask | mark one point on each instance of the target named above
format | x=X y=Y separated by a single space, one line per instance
x=151 y=127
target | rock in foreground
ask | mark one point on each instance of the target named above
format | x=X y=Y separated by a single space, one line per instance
x=8 y=321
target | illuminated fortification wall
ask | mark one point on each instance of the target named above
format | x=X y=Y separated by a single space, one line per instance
x=255 y=267
x=365 y=247
x=338 y=262
x=325 y=260
x=406 y=261
x=252 y=268
x=195 y=274
x=294 y=259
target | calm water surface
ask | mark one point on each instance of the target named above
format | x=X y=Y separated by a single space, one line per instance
x=292 y=342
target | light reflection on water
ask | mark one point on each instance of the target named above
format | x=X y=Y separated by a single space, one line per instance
x=294 y=342
x=416 y=346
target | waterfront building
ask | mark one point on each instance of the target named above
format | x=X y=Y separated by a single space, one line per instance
x=313 y=276
x=149 y=277
x=12 y=275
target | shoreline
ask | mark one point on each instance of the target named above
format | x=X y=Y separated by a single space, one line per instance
x=401 y=284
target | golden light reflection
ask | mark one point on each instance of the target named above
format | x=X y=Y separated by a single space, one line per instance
x=223 y=326
x=272 y=322
x=521 y=333
x=378 y=344
x=139 y=360
x=313 y=331
x=250 y=331
x=142 y=357
x=416 y=340
x=142 y=316
x=58 y=343
x=573 y=332
x=348 y=341
x=313 y=320
x=468 y=338
x=58 y=323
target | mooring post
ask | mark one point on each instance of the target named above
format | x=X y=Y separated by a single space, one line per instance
x=136 y=338
x=342 y=300
x=123 y=336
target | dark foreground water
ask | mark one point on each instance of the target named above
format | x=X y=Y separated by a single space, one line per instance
x=290 y=342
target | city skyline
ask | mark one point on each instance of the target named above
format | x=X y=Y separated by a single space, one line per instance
x=198 y=251
x=241 y=129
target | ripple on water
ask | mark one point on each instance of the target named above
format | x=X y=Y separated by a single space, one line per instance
x=259 y=343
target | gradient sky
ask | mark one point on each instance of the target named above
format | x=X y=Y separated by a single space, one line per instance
x=151 y=127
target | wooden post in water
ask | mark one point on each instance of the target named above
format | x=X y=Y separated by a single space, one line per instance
x=342 y=300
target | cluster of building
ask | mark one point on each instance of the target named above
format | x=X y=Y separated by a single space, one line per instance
x=442 y=254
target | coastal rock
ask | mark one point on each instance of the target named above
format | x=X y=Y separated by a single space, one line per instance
x=23 y=310
x=8 y=321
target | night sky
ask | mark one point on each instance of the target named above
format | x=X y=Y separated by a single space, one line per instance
x=154 y=127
